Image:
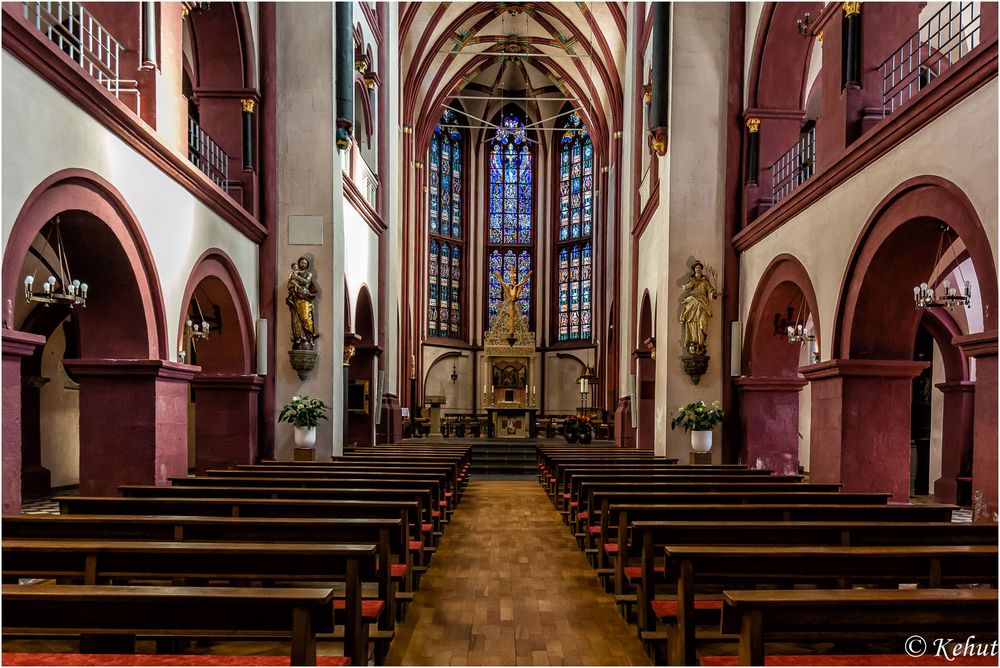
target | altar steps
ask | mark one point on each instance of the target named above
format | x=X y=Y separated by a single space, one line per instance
x=508 y=458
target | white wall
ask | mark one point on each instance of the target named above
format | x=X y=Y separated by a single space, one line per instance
x=957 y=146
x=43 y=133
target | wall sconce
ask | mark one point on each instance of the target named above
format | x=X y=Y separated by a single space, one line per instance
x=804 y=24
x=454 y=374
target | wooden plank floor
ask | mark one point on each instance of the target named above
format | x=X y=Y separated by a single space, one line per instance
x=508 y=586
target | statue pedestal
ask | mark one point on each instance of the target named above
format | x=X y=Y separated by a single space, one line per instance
x=435 y=403
x=304 y=455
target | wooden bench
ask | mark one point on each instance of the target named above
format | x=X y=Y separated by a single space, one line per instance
x=296 y=613
x=763 y=616
x=694 y=566
x=649 y=538
x=388 y=535
x=93 y=562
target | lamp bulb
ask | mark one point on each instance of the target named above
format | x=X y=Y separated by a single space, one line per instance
x=52 y=280
x=28 y=280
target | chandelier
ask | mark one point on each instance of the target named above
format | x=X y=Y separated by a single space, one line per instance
x=800 y=333
x=61 y=290
x=193 y=332
x=925 y=296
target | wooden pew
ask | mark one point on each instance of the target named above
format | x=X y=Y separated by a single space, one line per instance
x=389 y=535
x=93 y=562
x=454 y=480
x=600 y=531
x=296 y=613
x=422 y=496
x=441 y=486
x=570 y=492
x=649 y=538
x=762 y=616
x=693 y=566
x=559 y=481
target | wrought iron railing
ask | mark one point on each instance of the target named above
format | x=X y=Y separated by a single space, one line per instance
x=939 y=43
x=794 y=167
x=207 y=156
x=81 y=37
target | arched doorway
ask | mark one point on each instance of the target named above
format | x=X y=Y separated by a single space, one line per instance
x=645 y=378
x=862 y=398
x=121 y=353
x=225 y=392
x=770 y=387
x=362 y=399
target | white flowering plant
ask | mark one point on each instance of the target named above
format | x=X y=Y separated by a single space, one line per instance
x=303 y=412
x=698 y=416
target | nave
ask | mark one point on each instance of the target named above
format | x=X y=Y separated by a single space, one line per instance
x=510 y=588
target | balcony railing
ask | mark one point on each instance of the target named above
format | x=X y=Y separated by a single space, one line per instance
x=81 y=37
x=937 y=45
x=793 y=168
x=207 y=156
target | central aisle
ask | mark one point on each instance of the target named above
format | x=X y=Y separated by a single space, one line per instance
x=509 y=587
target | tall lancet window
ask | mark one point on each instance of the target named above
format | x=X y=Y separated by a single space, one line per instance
x=574 y=246
x=511 y=235
x=446 y=242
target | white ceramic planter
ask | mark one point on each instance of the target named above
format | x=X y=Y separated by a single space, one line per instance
x=305 y=437
x=701 y=441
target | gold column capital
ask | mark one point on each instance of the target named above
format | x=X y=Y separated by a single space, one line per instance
x=248 y=105
x=753 y=125
x=348 y=355
x=851 y=9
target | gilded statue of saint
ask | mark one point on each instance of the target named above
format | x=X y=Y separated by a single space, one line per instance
x=696 y=309
x=301 y=293
x=512 y=291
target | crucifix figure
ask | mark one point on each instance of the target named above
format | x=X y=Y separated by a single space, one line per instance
x=512 y=291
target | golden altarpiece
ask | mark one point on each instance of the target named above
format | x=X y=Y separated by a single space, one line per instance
x=509 y=357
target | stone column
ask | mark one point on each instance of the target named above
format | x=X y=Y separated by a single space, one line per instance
x=16 y=346
x=861 y=424
x=983 y=347
x=769 y=417
x=133 y=422
x=956 y=435
x=225 y=423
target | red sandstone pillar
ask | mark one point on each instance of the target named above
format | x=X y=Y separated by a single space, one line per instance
x=16 y=346
x=133 y=422
x=956 y=435
x=861 y=424
x=983 y=347
x=225 y=420
x=769 y=417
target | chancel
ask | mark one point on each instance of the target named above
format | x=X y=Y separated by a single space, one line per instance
x=518 y=333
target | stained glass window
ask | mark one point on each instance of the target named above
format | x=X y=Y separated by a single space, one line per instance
x=445 y=163
x=576 y=216
x=511 y=225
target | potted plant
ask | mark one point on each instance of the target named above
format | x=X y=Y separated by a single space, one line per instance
x=699 y=419
x=304 y=413
x=578 y=429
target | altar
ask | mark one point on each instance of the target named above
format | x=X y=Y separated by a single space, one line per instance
x=509 y=353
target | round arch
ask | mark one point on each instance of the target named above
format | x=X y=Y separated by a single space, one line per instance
x=784 y=282
x=894 y=252
x=79 y=190
x=228 y=349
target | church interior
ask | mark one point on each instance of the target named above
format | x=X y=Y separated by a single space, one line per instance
x=499 y=333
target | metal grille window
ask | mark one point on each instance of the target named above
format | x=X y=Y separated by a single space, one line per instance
x=206 y=155
x=937 y=45
x=795 y=167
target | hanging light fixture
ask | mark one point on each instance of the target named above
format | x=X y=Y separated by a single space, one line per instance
x=924 y=295
x=193 y=332
x=57 y=290
x=800 y=333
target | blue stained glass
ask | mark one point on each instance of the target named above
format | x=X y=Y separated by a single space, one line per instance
x=444 y=164
x=510 y=206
